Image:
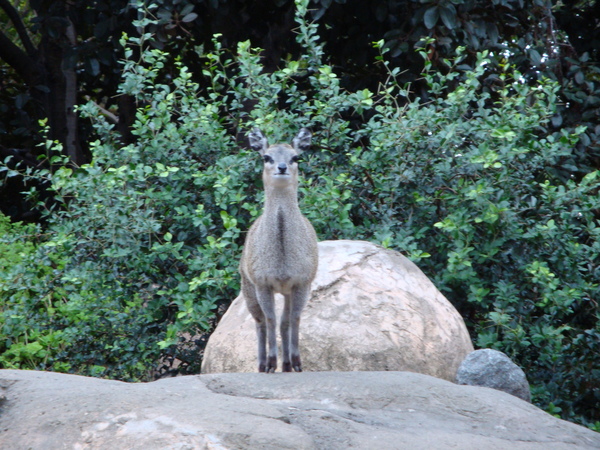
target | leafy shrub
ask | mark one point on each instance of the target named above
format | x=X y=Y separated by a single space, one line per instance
x=16 y=242
x=144 y=244
x=470 y=185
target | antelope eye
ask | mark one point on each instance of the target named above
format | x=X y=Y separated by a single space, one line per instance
x=295 y=159
x=268 y=159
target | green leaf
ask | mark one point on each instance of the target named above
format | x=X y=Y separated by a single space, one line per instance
x=431 y=17
x=189 y=17
x=534 y=55
x=448 y=16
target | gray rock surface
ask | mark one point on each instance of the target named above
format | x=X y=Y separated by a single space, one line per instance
x=493 y=369
x=319 y=410
x=370 y=309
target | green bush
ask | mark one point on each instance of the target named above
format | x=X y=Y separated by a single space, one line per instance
x=144 y=243
x=16 y=242
x=471 y=185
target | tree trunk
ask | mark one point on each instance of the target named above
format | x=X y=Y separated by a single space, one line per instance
x=59 y=59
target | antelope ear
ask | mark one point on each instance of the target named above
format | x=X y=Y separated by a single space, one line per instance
x=302 y=140
x=258 y=141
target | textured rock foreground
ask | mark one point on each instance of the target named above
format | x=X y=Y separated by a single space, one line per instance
x=321 y=410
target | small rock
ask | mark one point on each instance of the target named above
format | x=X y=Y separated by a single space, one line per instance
x=493 y=369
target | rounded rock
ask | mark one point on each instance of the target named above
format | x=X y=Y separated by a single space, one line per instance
x=370 y=309
x=493 y=369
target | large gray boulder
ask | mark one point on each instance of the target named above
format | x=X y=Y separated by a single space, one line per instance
x=383 y=410
x=371 y=309
x=493 y=369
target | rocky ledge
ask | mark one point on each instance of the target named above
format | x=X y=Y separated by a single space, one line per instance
x=309 y=410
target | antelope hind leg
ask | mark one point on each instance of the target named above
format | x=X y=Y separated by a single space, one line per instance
x=299 y=299
x=285 y=334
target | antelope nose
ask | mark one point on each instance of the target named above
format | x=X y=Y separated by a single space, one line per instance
x=282 y=167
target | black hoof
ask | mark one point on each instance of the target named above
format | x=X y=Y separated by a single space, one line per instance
x=272 y=364
x=296 y=364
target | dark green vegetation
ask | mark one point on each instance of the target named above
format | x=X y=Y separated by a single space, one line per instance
x=475 y=154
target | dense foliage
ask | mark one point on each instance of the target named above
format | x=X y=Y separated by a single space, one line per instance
x=142 y=243
x=131 y=259
x=55 y=54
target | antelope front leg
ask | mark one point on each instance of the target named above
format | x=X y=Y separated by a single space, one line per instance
x=266 y=301
x=255 y=309
x=299 y=298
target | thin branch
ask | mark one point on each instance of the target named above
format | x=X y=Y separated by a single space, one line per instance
x=112 y=118
x=15 y=18
x=15 y=57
